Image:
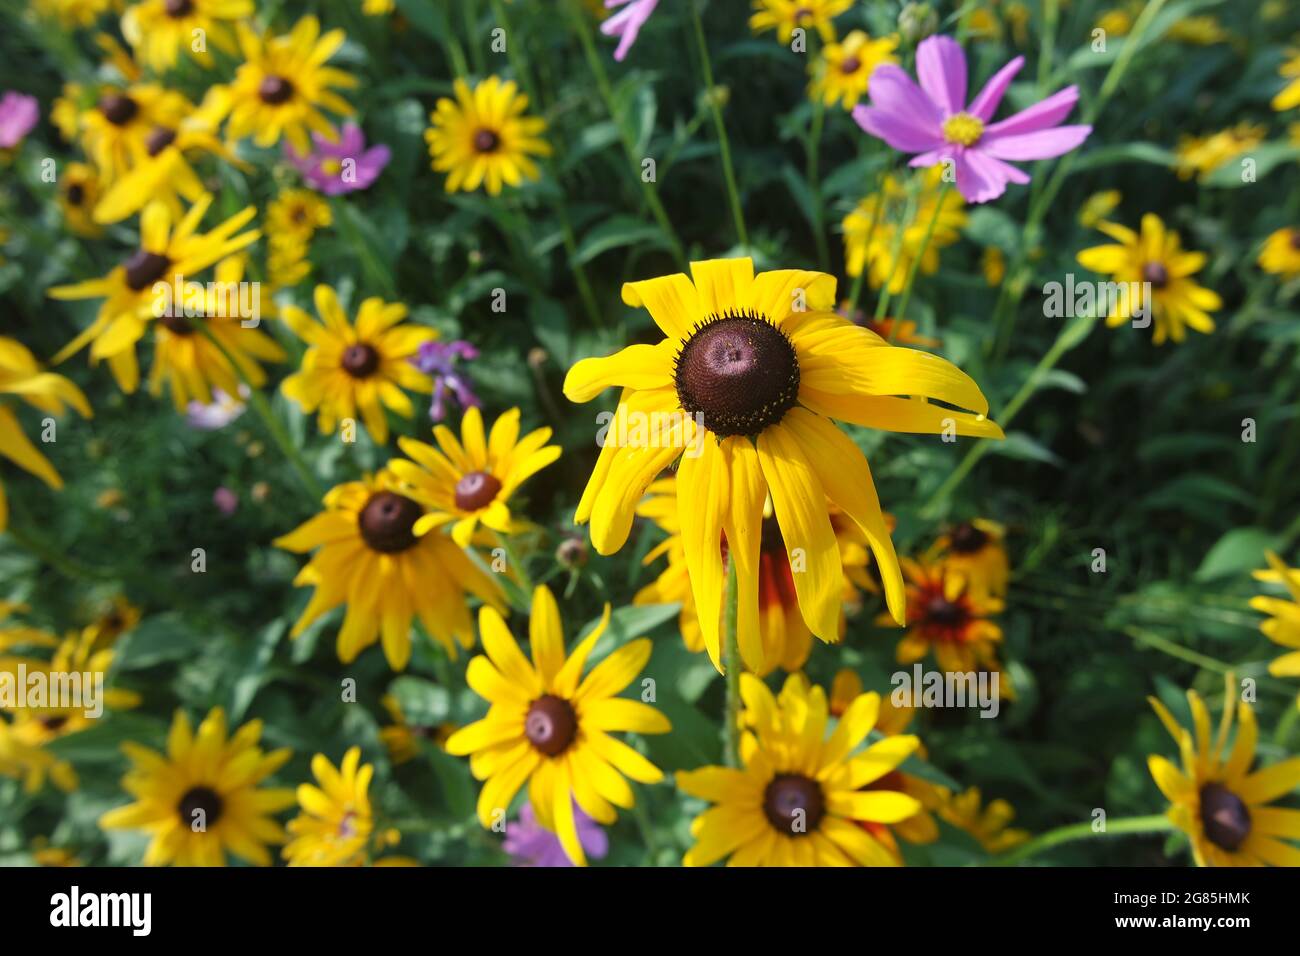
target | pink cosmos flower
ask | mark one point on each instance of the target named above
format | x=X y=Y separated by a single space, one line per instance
x=627 y=24
x=934 y=120
x=18 y=114
x=342 y=167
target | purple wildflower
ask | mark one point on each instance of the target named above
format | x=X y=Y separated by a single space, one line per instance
x=438 y=359
x=219 y=413
x=342 y=167
x=227 y=501
x=532 y=845
x=627 y=23
x=18 y=114
x=934 y=120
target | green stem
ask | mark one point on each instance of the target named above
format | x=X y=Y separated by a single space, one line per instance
x=1156 y=823
x=66 y=566
x=724 y=144
x=1166 y=646
x=731 y=660
x=895 y=250
x=814 y=184
x=916 y=260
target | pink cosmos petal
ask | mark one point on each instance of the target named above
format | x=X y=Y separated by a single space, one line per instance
x=350 y=143
x=627 y=24
x=981 y=178
x=1041 y=115
x=933 y=157
x=901 y=114
x=18 y=114
x=941 y=68
x=1041 y=144
x=986 y=104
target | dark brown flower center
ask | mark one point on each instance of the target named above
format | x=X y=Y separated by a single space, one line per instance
x=387 y=521
x=144 y=268
x=176 y=324
x=944 y=613
x=159 y=138
x=967 y=539
x=54 y=723
x=274 y=90
x=476 y=490
x=75 y=194
x=196 y=799
x=118 y=108
x=740 y=372
x=850 y=65
x=551 y=725
x=486 y=141
x=178 y=8
x=1224 y=816
x=794 y=804
x=1156 y=274
x=360 y=360
x=1295 y=239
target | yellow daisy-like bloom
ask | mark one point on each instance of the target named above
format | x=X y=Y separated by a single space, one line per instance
x=15 y=635
x=168 y=249
x=334 y=825
x=1201 y=155
x=798 y=798
x=743 y=388
x=32 y=765
x=1155 y=256
x=116 y=619
x=73 y=13
x=202 y=799
x=472 y=480
x=483 y=138
x=1098 y=206
x=297 y=212
x=1198 y=31
x=401 y=738
x=785 y=637
x=1215 y=798
x=362 y=367
x=191 y=364
x=843 y=73
x=370 y=558
x=286 y=261
x=945 y=614
x=1281 y=253
x=1283 y=624
x=117 y=132
x=989 y=825
x=549 y=727
x=785 y=16
x=78 y=196
x=159 y=29
x=377 y=8
x=1289 y=96
x=886 y=211
x=283 y=85
x=994 y=266
x=21 y=375
x=975 y=549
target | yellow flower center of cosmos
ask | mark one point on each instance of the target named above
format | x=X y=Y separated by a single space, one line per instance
x=739 y=372
x=794 y=804
x=331 y=166
x=963 y=129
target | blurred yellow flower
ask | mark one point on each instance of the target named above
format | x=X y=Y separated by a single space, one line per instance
x=483 y=138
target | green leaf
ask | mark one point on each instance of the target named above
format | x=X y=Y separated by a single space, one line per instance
x=1238 y=552
x=1020 y=445
x=616 y=232
x=1125 y=153
x=1266 y=156
x=423 y=702
x=987 y=226
x=157 y=640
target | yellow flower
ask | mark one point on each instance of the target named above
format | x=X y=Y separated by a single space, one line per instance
x=471 y=480
x=1283 y=624
x=78 y=196
x=73 y=13
x=994 y=266
x=401 y=737
x=1281 y=253
x=377 y=8
x=68 y=110
x=1098 y=206
x=759 y=357
x=785 y=16
x=1289 y=96
x=119 y=617
x=975 y=549
x=14 y=635
x=1216 y=800
x=370 y=559
x=334 y=824
x=191 y=364
x=168 y=250
x=21 y=375
x=1198 y=31
x=286 y=261
x=160 y=29
x=298 y=213
x=798 y=798
x=482 y=137
x=549 y=727
x=117 y=132
x=989 y=825
x=1201 y=155
x=202 y=799
x=363 y=367
x=32 y=765
x=871 y=230
x=283 y=85
x=844 y=69
x=1156 y=257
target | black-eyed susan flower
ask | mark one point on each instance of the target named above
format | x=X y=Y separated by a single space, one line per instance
x=761 y=358
x=1216 y=798
x=786 y=16
x=115 y=134
x=799 y=799
x=72 y=13
x=350 y=368
x=1283 y=624
x=169 y=250
x=989 y=824
x=1289 y=96
x=297 y=212
x=369 y=558
x=975 y=549
x=203 y=798
x=21 y=375
x=1154 y=256
x=843 y=72
x=33 y=765
x=159 y=30
x=334 y=822
x=1281 y=253
x=473 y=479
x=1201 y=155
x=550 y=727
x=871 y=230
x=78 y=196
x=483 y=138
x=115 y=618
x=195 y=367
x=15 y=635
x=283 y=85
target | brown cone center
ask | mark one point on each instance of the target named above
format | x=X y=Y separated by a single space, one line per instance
x=551 y=725
x=1156 y=274
x=274 y=90
x=118 y=108
x=200 y=798
x=159 y=138
x=794 y=804
x=966 y=538
x=486 y=141
x=1224 y=816
x=476 y=490
x=850 y=65
x=144 y=269
x=360 y=360
x=178 y=8
x=387 y=521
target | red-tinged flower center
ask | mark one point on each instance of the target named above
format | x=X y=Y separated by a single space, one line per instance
x=794 y=804
x=360 y=360
x=274 y=90
x=1295 y=239
x=476 y=490
x=1224 y=816
x=1156 y=274
x=144 y=269
x=551 y=724
x=739 y=371
x=850 y=65
x=963 y=129
x=486 y=141
x=118 y=108
x=159 y=138
x=942 y=618
x=967 y=539
x=387 y=521
x=178 y=8
x=203 y=799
